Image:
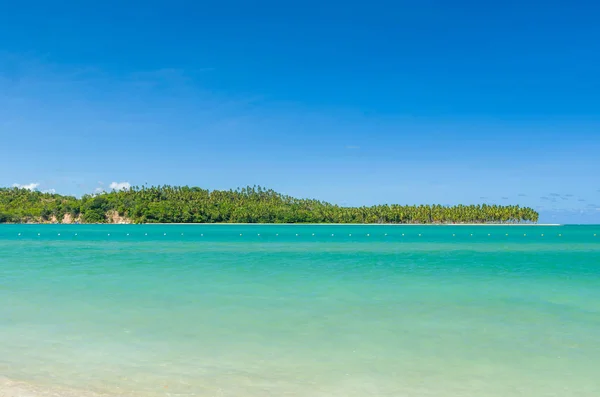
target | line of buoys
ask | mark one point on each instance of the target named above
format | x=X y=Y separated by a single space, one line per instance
x=313 y=234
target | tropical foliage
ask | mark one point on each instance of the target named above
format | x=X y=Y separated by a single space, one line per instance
x=172 y=204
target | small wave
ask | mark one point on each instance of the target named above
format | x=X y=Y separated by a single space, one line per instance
x=15 y=388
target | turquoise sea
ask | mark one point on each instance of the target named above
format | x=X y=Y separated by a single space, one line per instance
x=311 y=310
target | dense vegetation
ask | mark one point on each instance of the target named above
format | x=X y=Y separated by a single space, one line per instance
x=168 y=204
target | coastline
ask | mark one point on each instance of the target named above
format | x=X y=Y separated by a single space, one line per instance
x=299 y=224
x=166 y=204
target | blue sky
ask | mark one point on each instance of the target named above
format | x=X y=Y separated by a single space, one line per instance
x=351 y=102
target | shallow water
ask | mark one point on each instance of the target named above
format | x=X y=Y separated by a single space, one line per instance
x=265 y=310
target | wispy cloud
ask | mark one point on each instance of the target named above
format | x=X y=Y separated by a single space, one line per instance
x=51 y=191
x=120 y=185
x=522 y=195
x=28 y=186
x=352 y=147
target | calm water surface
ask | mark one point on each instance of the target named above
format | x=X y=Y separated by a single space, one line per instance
x=230 y=310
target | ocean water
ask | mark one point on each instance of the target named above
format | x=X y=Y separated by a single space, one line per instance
x=265 y=310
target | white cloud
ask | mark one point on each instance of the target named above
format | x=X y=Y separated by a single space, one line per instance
x=29 y=186
x=120 y=185
x=51 y=191
x=98 y=190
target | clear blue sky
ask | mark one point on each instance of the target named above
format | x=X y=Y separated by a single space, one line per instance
x=354 y=102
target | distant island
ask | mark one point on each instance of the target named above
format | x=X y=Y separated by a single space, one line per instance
x=182 y=204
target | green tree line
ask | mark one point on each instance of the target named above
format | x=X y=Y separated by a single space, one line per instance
x=175 y=204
